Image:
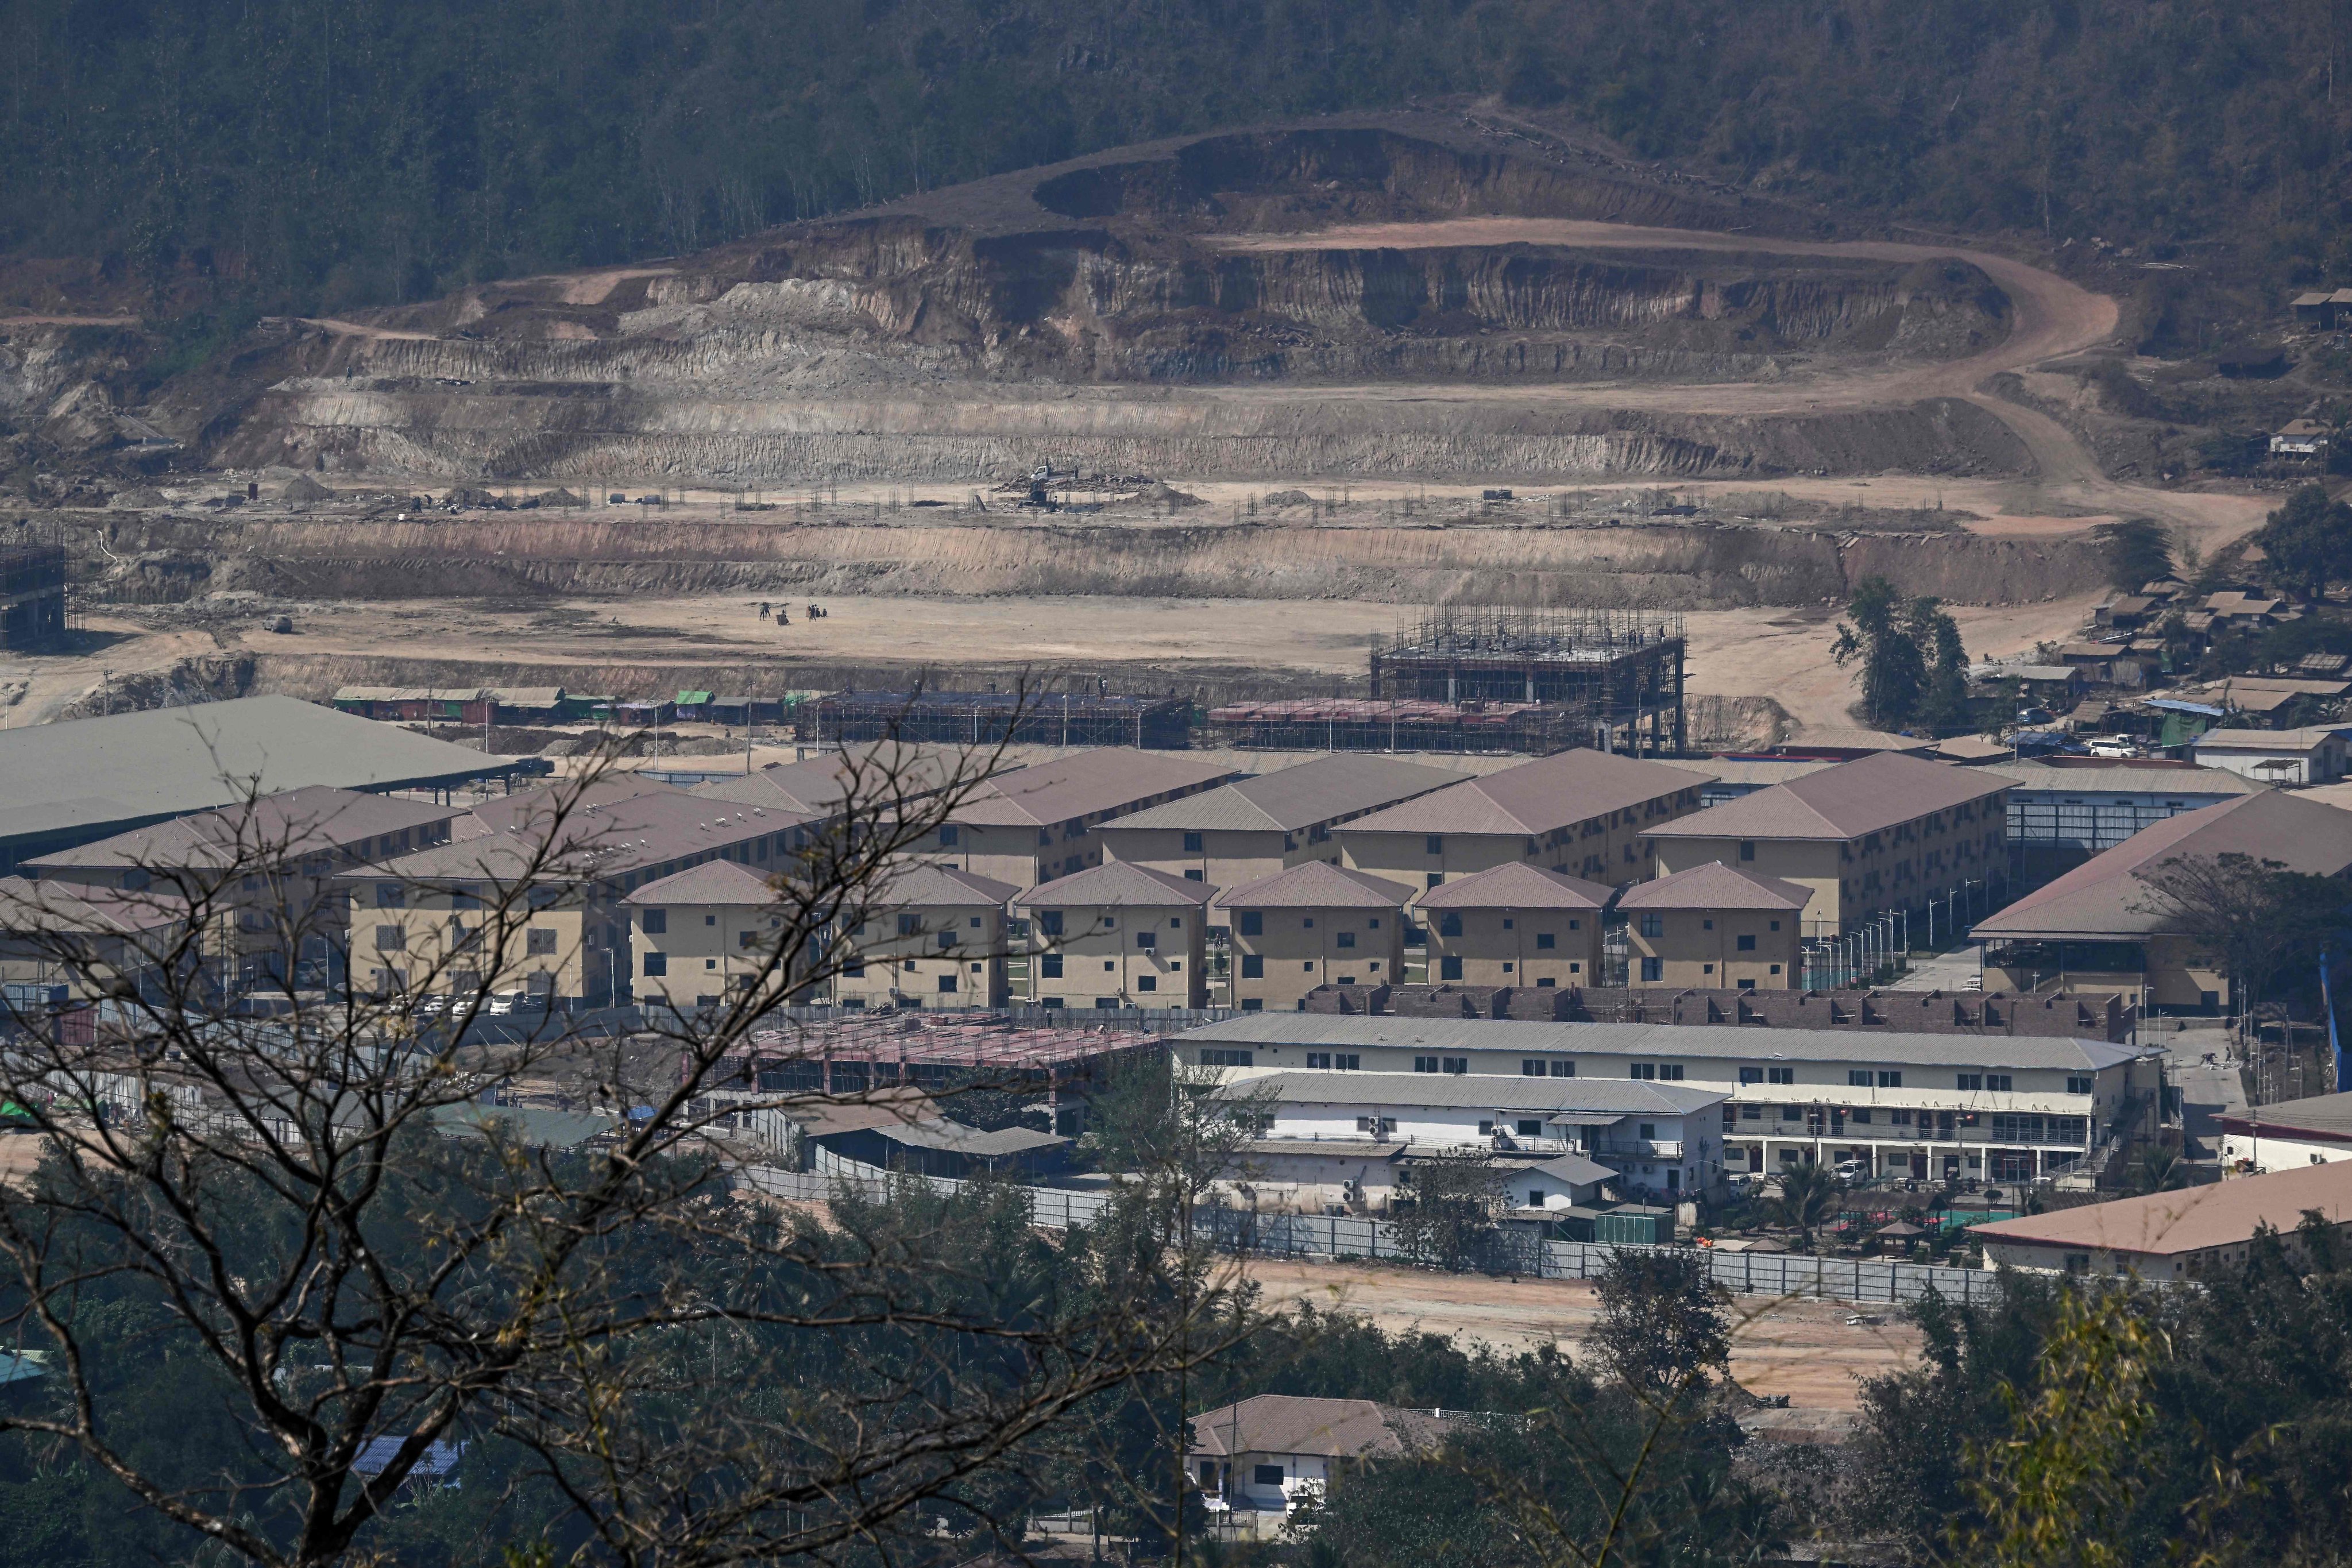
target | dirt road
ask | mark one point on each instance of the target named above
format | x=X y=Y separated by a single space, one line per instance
x=1805 y=1350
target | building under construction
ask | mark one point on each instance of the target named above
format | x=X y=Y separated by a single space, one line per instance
x=1357 y=724
x=32 y=593
x=1615 y=676
x=985 y=718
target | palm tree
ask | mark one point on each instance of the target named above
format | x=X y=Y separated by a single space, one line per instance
x=2159 y=1169
x=1808 y=1198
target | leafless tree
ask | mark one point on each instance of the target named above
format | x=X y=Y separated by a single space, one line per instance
x=367 y=1269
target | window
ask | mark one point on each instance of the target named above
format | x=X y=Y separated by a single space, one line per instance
x=2078 y=1086
x=1747 y=944
x=654 y=923
x=1457 y=1064
x=392 y=938
x=1780 y=1075
x=1644 y=1071
x=1252 y=967
x=1751 y=1113
x=1149 y=941
x=1437 y=880
x=853 y=968
x=1860 y=1113
x=1049 y=966
x=1348 y=1061
x=1531 y=1066
x=1970 y=1081
x=1889 y=1079
x=710 y=919
x=390 y=895
x=1672 y=1072
x=1215 y=1056
x=1147 y=983
x=1435 y=844
x=1653 y=923
x=1318 y=1061
x=1900 y=1118
x=1563 y=1070
x=1192 y=845
x=1858 y=1077
x=1545 y=942
x=1345 y=939
x=746 y=938
x=1449 y=924
x=1751 y=1075
x=1529 y=1128
x=1049 y=922
x=1425 y=1064
x=1253 y=922
x=1654 y=969
x=1449 y=968
x=1649 y=1131
x=1266 y=1476
x=1193 y=874
x=1747 y=849
x=947 y=981
x=1792 y=1114
x=947 y=939
x=949 y=834
x=1175 y=922
x=656 y=963
x=1998 y=1082
x=540 y=940
x=1253 y=1003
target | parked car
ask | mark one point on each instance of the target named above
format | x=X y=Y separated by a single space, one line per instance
x=1851 y=1169
x=2114 y=746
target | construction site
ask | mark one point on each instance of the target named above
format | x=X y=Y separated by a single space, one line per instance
x=1000 y=718
x=32 y=592
x=1610 y=679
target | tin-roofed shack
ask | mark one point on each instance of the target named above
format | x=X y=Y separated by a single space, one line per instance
x=1056 y=1068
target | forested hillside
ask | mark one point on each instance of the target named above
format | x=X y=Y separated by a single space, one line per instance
x=336 y=152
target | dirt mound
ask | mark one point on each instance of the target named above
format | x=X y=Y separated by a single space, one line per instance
x=1280 y=498
x=1165 y=496
x=302 y=487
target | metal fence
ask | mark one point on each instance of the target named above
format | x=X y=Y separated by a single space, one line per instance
x=1351 y=1237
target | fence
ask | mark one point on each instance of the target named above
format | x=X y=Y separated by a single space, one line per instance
x=1858 y=1281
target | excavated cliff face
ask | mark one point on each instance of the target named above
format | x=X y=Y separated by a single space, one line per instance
x=1091 y=315
x=1658 y=566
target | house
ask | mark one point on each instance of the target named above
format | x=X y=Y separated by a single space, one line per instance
x=265 y=870
x=1643 y=1137
x=1736 y=776
x=526 y=704
x=900 y=1128
x=2102 y=925
x=2287 y=1134
x=1315 y=924
x=1369 y=1172
x=2275 y=756
x=702 y=937
x=2300 y=438
x=1590 y=814
x=933 y=936
x=1117 y=935
x=2127 y=611
x=2185 y=1235
x=1271 y=1452
x=1957 y=1105
x=1039 y=823
x=1713 y=926
x=1516 y=926
x=1881 y=833
x=1251 y=829
x=66 y=943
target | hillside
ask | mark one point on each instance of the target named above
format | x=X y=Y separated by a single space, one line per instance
x=166 y=158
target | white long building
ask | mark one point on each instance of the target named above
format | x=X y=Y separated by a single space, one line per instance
x=1930 y=1106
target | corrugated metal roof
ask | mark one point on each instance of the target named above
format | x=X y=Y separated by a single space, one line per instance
x=1290 y=799
x=1715 y=886
x=2327 y=1116
x=273 y=827
x=1867 y=796
x=1297 y=1423
x=1317 y=885
x=1659 y=1041
x=1568 y=1097
x=1536 y=797
x=2163 y=783
x=822 y=785
x=2194 y=1219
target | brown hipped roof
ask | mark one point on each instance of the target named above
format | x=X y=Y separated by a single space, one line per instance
x=1536 y=797
x=1288 y=799
x=2195 y=1219
x=712 y=882
x=1332 y=1428
x=925 y=884
x=74 y=909
x=1108 y=778
x=1715 y=886
x=2105 y=898
x=1117 y=883
x=1317 y=885
x=1517 y=885
x=1853 y=799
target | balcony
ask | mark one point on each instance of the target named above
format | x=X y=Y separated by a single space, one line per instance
x=1638 y=1149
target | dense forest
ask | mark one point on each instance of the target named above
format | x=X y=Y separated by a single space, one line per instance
x=345 y=151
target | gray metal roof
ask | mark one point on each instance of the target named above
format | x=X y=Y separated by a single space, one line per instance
x=93 y=773
x=1849 y=801
x=1288 y=799
x=1713 y=1042
x=2168 y=783
x=1608 y=1098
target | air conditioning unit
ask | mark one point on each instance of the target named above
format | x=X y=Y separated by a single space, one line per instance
x=1348 y=1192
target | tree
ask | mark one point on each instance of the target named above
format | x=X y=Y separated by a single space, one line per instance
x=2309 y=541
x=1808 y=1200
x=2158 y=1170
x=1914 y=666
x=1944 y=703
x=2255 y=919
x=2137 y=552
x=1663 y=1328
x=1450 y=1220
x=344 y=1261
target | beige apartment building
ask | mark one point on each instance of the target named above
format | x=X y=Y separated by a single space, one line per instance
x=1880 y=833
x=1117 y=935
x=267 y=869
x=1714 y=928
x=703 y=937
x=1315 y=924
x=935 y=936
x=1039 y=823
x=1516 y=926
x=1254 y=827
x=558 y=862
x=1585 y=813
x=85 y=939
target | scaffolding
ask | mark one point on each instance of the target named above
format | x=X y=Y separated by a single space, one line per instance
x=32 y=595
x=987 y=718
x=1354 y=724
x=1615 y=676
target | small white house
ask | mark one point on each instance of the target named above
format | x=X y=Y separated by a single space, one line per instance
x=2178 y=1235
x=1269 y=1453
x=2275 y=756
x=2279 y=1137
